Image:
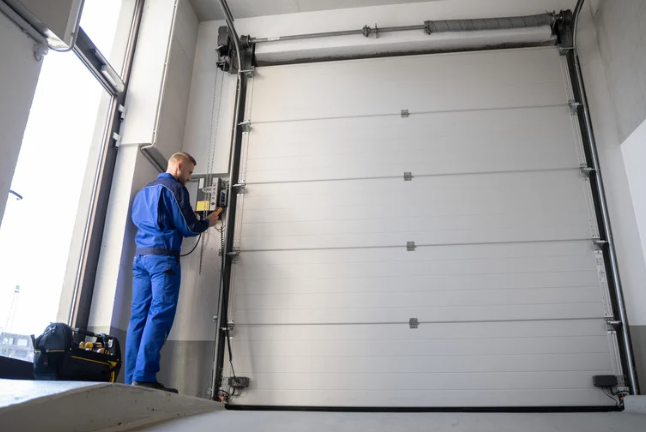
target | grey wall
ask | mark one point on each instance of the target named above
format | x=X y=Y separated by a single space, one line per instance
x=612 y=36
x=19 y=73
x=621 y=32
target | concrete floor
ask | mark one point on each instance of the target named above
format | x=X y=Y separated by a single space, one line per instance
x=57 y=406
x=72 y=407
x=247 y=421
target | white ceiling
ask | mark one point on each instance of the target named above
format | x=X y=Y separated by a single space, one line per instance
x=208 y=10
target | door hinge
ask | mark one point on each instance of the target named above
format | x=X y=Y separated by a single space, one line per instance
x=240 y=187
x=598 y=244
x=234 y=254
x=413 y=323
x=122 y=111
x=117 y=139
x=247 y=73
x=586 y=171
x=574 y=106
x=245 y=126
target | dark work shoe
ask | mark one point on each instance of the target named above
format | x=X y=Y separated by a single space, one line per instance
x=154 y=385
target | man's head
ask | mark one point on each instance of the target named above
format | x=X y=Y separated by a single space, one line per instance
x=180 y=166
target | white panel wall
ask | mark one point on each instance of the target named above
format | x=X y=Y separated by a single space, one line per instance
x=160 y=84
x=177 y=82
x=19 y=73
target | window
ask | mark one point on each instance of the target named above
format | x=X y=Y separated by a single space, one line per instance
x=36 y=232
x=107 y=23
x=73 y=115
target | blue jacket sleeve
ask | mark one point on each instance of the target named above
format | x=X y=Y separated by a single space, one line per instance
x=179 y=207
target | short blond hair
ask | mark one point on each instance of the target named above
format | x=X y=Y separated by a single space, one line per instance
x=181 y=156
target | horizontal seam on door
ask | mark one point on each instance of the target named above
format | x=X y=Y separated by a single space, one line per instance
x=419 y=245
x=475 y=173
x=239 y=324
x=411 y=113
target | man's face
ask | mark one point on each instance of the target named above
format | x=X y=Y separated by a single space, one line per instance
x=184 y=171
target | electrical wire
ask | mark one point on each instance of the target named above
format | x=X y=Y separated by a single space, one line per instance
x=611 y=396
x=194 y=247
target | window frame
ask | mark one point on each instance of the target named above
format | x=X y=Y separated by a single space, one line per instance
x=117 y=86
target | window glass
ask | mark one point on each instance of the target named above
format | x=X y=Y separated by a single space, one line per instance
x=107 y=23
x=59 y=147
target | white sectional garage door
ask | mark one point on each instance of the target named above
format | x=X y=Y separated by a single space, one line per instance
x=486 y=245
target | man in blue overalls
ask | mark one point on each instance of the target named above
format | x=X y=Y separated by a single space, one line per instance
x=163 y=215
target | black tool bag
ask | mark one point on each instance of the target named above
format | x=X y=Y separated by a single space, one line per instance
x=67 y=354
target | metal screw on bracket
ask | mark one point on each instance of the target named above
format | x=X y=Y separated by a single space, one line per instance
x=410 y=246
x=408 y=176
x=413 y=323
x=405 y=113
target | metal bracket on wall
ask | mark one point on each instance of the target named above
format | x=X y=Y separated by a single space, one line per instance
x=410 y=246
x=230 y=326
x=612 y=324
x=586 y=171
x=405 y=113
x=240 y=188
x=408 y=176
x=234 y=254
x=574 y=106
x=117 y=139
x=40 y=51
x=565 y=50
x=245 y=126
x=367 y=31
x=413 y=323
x=247 y=73
x=599 y=244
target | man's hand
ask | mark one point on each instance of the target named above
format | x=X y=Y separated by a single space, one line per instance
x=213 y=217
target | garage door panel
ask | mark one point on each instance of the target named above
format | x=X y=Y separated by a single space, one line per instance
x=424 y=347
x=503 y=280
x=422 y=144
x=476 y=188
x=442 y=314
x=514 y=78
x=582 y=249
x=453 y=269
x=327 y=302
x=429 y=398
x=482 y=192
x=388 y=332
x=424 y=364
x=371 y=284
x=416 y=267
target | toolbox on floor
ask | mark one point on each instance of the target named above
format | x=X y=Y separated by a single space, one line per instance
x=68 y=354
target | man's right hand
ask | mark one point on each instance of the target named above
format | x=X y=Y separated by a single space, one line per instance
x=213 y=217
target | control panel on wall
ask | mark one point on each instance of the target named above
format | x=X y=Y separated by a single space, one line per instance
x=208 y=193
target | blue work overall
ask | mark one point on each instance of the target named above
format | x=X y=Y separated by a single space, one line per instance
x=163 y=215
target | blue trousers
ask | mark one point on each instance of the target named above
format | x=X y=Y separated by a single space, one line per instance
x=155 y=291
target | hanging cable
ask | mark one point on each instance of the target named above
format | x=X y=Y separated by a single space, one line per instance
x=194 y=247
